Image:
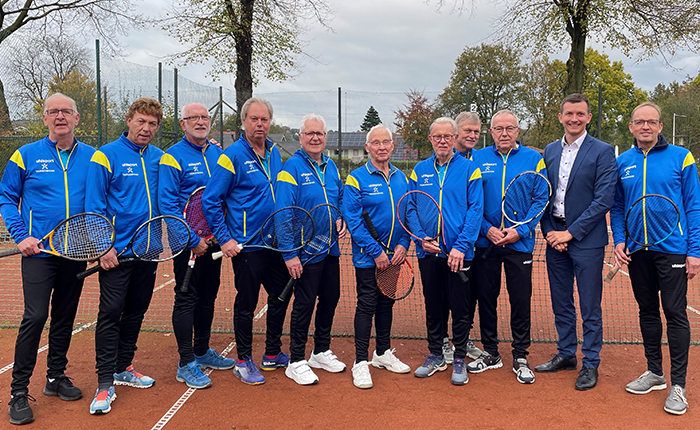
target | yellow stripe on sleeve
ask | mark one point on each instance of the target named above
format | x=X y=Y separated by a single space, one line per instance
x=540 y=165
x=475 y=175
x=226 y=163
x=688 y=160
x=101 y=159
x=169 y=160
x=352 y=182
x=17 y=159
x=286 y=177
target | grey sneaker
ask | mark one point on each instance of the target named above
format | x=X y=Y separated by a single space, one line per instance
x=448 y=351
x=522 y=371
x=433 y=363
x=485 y=361
x=646 y=383
x=472 y=351
x=676 y=402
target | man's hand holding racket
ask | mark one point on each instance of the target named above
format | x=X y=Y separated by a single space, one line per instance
x=29 y=246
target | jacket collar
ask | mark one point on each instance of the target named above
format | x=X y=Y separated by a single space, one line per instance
x=661 y=144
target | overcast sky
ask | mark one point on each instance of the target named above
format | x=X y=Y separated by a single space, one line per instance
x=381 y=46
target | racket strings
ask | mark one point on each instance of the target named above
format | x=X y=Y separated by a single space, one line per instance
x=194 y=215
x=420 y=215
x=651 y=220
x=523 y=192
x=160 y=239
x=326 y=221
x=83 y=237
x=396 y=281
x=287 y=229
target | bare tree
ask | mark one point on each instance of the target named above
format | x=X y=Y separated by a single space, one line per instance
x=105 y=18
x=248 y=38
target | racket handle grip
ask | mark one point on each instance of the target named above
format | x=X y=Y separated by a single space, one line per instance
x=8 y=252
x=287 y=290
x=370 y=226
x=185 y=287
x=85 y=273
x=463 y=276
x=216 y=255
x=611 y=274
x=486 y=253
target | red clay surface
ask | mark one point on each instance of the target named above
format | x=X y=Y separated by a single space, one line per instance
x=493 y=399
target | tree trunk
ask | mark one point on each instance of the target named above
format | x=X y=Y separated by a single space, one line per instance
x=5 y=122
x=577 y=27
x=244 y=58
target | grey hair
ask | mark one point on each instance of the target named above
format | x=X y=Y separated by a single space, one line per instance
x=645 y=104
x=505 y=112
x=309 y=117
x=75 y=106
x=185 y=107
x=250 y=101
x=444 y=120
x=379 y=126
x=468 y=117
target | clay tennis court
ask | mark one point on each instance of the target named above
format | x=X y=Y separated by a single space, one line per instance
x=492 y=399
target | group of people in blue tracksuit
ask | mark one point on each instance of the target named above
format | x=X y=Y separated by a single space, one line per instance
x=130 y=181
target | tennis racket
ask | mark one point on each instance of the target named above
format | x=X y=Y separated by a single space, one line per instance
x=649 y=221
x=287 y=229
x=524 y=200
x=194 y=216
x=328 y=222
x=396 y=280
x=82 y=237
x=158 y=239
x=421 y=216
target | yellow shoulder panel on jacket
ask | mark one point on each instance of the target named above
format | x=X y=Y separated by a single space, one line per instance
x=169 y=160
x=101 y=159
x=226 y=163
x=476 y=174
x=414 y=177
x=352 y=181
x=17 y=159
x=541 y=165
x=284 y=176
x=688 y=160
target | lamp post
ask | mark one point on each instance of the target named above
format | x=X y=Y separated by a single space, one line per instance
x=673 y=140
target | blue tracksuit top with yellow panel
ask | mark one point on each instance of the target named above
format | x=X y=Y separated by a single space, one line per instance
x=668 y=170
x=39 y=190
x=240 y=194
x=123 y=178
x=183 y=168
x=304 y=183
x=367 y=189
x=460 y=196
x=497 y=170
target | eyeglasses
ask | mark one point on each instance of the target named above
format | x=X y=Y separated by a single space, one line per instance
x=380 y=143
x=311 y=134
x=54 y=112
x=195 y=118
x=510 y=129
x=651 y=122
x=446 y=138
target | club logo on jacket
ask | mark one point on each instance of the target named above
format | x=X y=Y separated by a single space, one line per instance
x=130 y=169
x=486 y=168
x=251 y=166
x=376 y=189
x=627 y=172
x=427 y=179
x=195 y=168
x=308 y=178
x=45 y=166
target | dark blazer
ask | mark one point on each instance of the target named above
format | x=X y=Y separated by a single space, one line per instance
x=589 y=194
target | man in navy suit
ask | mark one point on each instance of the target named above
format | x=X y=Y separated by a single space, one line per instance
x=582 y=172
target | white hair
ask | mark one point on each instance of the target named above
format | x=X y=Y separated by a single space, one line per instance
x=505 y=112
x=309 y=117
x=444 y=120
x=379 y=126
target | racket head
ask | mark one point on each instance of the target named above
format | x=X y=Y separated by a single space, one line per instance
x=396 y=281
x=160 y=238
x=287 y=229
x=526 y=197
x=651 y=219
x=328 y=222
x=82 y=237
x=420 y=215
x=194 y=214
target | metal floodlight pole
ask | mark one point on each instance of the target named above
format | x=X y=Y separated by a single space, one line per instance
x=340 y=134
x=160 y=100
x=674 y=126
x=98 y=86
x=221 y=116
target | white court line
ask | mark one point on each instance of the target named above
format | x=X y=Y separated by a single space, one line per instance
x=181 y=401
x=76 y=331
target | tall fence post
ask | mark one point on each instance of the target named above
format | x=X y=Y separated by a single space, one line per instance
x=176 y=124
x=221 y=116
x=98 y=87
x=600 y=108
x=160 y=100
x=340 y=135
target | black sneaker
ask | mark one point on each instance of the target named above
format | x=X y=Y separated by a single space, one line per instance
x=63 y=387
x=20 y=411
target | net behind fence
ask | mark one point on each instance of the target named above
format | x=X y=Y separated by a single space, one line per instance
x=620 y=311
